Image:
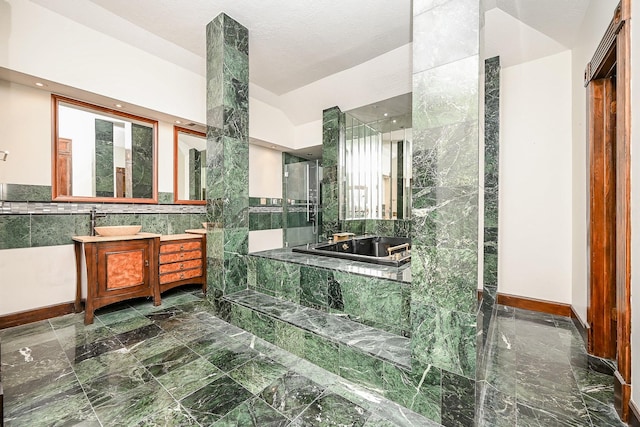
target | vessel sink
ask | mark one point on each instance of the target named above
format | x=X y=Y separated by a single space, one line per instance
x=118 y=230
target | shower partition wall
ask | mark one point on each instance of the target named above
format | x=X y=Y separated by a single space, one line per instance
x=303 y=204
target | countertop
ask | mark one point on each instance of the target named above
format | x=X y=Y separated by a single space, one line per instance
x=97 y=239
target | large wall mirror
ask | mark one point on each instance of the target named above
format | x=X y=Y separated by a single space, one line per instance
x=375 y=161
x=190 y=166
x=101 y=154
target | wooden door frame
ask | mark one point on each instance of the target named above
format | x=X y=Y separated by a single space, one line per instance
x=618 y=36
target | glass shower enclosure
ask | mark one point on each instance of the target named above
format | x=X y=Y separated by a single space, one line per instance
x=303 y=212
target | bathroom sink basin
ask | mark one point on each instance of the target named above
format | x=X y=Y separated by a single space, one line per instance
x=118 y=230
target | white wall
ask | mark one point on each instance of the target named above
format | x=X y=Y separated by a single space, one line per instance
x=44 y=44
x=25 y=130
x=593 y=27
x=535 y=179
x=265 y=172
x=24 y=287
x=265 y=180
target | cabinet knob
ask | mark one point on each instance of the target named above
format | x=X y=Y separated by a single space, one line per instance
x=181 y=247
x=181 y=266
x=146 y=263
x=182 y=275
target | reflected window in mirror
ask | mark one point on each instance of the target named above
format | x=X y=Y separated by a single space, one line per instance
x=375 y=161
x=100 y=154
x=190 y=166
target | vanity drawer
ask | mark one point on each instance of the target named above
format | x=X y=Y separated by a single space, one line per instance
x=179 y=246
x=180 y=256
x=179 y=266
x=180 y=275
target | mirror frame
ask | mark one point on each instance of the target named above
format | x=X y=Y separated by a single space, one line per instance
x=176 y=131
x=55 y=196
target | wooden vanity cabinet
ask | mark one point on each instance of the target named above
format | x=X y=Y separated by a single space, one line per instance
x=117 y=269
x=182 y=260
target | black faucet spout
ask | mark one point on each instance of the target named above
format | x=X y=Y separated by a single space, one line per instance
x=93 y=215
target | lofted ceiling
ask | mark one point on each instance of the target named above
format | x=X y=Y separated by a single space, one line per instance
x=294 y=43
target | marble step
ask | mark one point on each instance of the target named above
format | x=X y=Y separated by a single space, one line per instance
x=335 y=328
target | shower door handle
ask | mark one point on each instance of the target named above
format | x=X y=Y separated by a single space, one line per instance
x=308 y=200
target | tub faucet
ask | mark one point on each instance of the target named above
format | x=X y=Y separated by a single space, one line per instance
x=93 y=215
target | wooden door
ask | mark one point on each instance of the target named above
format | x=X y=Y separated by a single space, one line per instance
x=601 y=315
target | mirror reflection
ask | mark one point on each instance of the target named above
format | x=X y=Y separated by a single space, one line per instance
x=104 y=154
x=190 y=157
x=375 y=161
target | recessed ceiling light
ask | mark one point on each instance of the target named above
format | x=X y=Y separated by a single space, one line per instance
x=178 y=122
x=39 y=84
x=273 y=146
x=395 y=121
x=118 y=105
x=386 y=114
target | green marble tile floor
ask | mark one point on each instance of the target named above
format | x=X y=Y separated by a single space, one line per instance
x=539 y=374
x=180 y=365
x=173 y=365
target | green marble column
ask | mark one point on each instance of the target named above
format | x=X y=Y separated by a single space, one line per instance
x=445 y=200
x=333 y=126
x=227 y=155
x=104 y=158
x=491 y=181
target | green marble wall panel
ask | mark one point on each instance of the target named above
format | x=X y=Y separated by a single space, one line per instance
x=31 y=230
x=314 y=287
x=178 y=223
x=104 y=158
x=142 y=161
x=384 y=304
x=25 y=193
x=52 y=230
x=333 y=128
x=491 y=121
x=418 y=389
x=289 y=338
x=360 y=368
x=445 y=278
x=155 y=223
x=15 y=231
x=165 y=198
x=379 y=303
x=195 y=174
x=446 y=339
x=227 y=76
x=278 y=279
x=322 y=352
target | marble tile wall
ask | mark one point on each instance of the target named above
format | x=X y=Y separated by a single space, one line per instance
x=445 y=199
x=491 y=179
x=142 y=161
x=333 y=127
x=104 y=158
x=29 y=219
x=227 y=76
x=265 y=213
x=34 y=229
x=376 y=302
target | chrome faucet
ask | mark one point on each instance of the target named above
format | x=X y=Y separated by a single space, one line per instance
x=93 y=215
